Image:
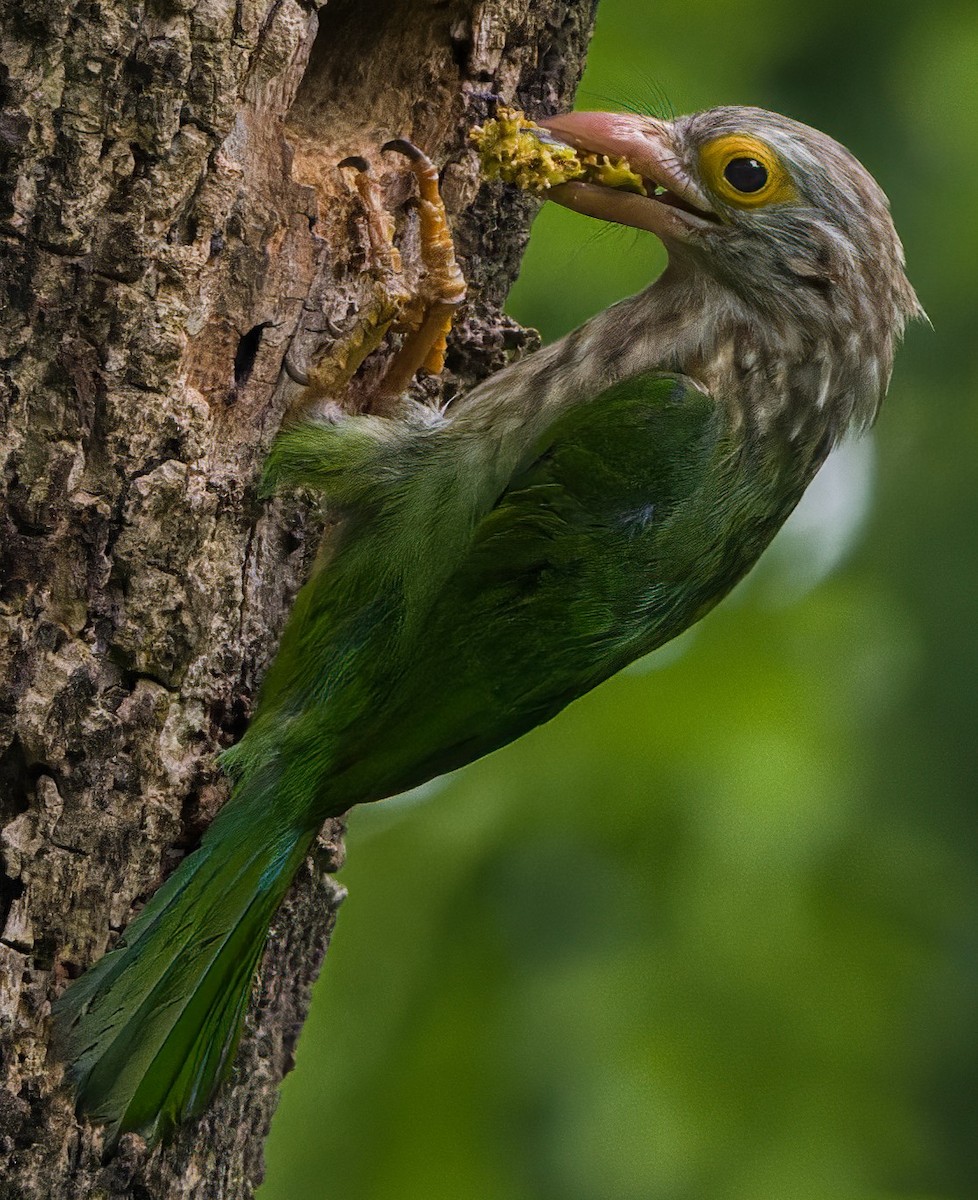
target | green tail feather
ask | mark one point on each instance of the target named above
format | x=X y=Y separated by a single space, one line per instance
x=151 y=1029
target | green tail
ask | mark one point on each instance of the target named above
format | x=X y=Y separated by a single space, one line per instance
x=151 y=1030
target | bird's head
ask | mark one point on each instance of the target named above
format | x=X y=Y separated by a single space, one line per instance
x=765 y=204
x=775 y=217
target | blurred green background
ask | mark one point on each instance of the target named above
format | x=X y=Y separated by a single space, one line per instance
x=711 y=934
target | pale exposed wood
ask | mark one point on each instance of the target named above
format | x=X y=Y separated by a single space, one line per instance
x=171 y=220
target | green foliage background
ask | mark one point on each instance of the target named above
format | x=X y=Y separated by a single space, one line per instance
x=711 y=934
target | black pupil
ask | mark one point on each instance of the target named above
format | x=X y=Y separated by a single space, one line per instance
x=745 y=174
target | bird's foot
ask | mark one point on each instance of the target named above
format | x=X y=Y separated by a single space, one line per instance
x=423 y=316
x=427 y=320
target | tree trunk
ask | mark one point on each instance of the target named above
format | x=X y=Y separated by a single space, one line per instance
x=173 y=221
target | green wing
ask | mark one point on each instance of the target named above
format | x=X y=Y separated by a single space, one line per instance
x=608 y=475
x=579 y=565
x=457 y=608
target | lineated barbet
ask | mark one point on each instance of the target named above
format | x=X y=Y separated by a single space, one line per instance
x=492 y=562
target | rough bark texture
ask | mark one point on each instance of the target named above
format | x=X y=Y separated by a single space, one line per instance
x=172 y=220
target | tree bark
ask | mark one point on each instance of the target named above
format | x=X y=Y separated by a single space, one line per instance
x=172 y=222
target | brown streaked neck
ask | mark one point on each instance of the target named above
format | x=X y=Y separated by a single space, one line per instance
x=780 y=380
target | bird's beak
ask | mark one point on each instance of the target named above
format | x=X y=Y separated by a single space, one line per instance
x=675 y=208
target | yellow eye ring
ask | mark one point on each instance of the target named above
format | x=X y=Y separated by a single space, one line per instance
x=744 y=172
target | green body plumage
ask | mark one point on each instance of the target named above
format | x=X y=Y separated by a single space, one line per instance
x=487 y=567
x=474 y=588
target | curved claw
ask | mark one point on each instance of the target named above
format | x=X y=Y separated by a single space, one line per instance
x=296 y=374
x=293 y=372
x=408 y=149
x=488 y=97
x=357 y=162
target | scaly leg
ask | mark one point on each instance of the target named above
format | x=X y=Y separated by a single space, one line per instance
x=389 y=298
x=425 y=318
x=442 y=287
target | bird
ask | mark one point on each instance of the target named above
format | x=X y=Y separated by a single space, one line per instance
x=492 y=561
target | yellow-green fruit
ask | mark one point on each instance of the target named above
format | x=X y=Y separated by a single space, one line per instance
x=516 y=150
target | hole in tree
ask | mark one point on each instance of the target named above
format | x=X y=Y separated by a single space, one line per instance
x=16 y=781
x=10 y=890
x=371 y=76
x=246 y=353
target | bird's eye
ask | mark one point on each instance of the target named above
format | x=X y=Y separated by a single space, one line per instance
x=745 y=174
